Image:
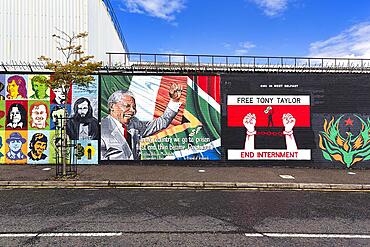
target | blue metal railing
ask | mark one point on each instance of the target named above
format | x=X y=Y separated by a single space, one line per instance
x=116 y=23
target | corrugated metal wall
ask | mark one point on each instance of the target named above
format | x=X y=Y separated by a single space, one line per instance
x=103 y=36
x=26 y=27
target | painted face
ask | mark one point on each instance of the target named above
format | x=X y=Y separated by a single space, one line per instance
x=15 y=115
x=125 y=109
x=13 y=89
x=57 y=117
x=40 y=89
x=83 y=108
x=15 y=145
x=39 y=147
x=39 y=116
x=60 y=94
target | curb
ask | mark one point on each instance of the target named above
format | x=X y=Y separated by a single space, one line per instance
x=185 y=185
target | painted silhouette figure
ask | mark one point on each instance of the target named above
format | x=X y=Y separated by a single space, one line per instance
x=269 y=111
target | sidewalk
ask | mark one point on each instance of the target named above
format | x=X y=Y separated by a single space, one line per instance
x=26 y=176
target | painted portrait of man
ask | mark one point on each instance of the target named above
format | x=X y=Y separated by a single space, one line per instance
x=40 y=87
x=38 y=145
x=39 y=113
x=15 y=142
x=59 y=95
x=122 y=130
x=83 y=125
x=57 y=117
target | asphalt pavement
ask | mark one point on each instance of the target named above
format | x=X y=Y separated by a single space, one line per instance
x=137 y=217
x=160 y=176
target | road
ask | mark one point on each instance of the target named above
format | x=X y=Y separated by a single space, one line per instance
x=131 y=217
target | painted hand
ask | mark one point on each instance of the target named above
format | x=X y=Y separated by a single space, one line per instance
x=288 y=121
x=175 y=92
x=249 y=122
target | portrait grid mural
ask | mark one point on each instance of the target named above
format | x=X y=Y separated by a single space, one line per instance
x=160 y=117
x=30 y=120
x=319 y=120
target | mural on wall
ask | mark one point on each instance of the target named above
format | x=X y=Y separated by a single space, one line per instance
x=38 y=89
x=16 y=116
x=16 y=87
x=83 y=126
x=160 y=117
x=346 y=139
x=38 y=147
x=38 y=115
x=2 y=147
x=31 y=120
x=327 y=114
x=2 y=115
x=16 y=149
x=2 y=87
x=269 y=115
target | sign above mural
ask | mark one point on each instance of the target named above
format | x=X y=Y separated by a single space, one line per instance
x=160 y=117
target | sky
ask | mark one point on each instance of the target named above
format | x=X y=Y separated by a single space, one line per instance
x=310 y=28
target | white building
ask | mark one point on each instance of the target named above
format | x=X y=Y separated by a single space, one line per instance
x=27 y=26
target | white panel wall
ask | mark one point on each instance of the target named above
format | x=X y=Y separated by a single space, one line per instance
x=26 y=28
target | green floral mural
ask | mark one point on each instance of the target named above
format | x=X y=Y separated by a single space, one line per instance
x=341 y=142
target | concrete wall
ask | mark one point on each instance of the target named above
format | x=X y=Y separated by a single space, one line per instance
x=251 y=119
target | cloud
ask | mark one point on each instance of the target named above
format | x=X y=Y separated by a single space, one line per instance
x=164 y=9
x=244 y=48
x=247 y=45
x=226 y=45
x=176 y=56
x=353 y=42
x=272 y=7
